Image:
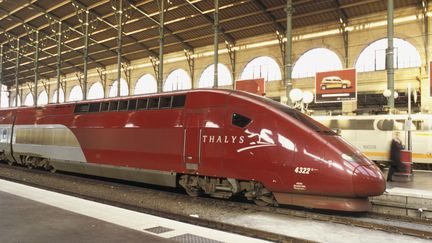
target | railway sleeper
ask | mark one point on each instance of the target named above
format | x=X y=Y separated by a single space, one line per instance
x=196 y=185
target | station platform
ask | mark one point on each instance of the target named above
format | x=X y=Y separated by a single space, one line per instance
x=30 y=214
x=407 y=196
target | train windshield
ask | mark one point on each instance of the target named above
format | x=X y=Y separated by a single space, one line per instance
x=306 y=120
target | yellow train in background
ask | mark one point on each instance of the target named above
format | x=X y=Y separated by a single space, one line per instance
x=372 y=134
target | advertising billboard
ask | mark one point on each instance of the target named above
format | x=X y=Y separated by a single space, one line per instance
x=336 y=86
x=430 y=79
x=254 y=86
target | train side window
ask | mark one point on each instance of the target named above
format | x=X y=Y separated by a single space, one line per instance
x=178 y=101
x=104 y=106
x=153 y=103
x=94 y=107
x=240 y=120
x=79 y=108
x=165 y=102
x=113 y=106
x=132 y=105
x=123 y=105
x=142 y=104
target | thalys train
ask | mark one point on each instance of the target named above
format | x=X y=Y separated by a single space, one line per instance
x=215 y=142
x=372 y=134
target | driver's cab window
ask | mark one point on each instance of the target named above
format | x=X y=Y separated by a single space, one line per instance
x=240 y=120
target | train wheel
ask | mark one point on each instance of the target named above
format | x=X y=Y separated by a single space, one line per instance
x=190 y=184
x=265 y=198
x=259 y=194
x=193 y=191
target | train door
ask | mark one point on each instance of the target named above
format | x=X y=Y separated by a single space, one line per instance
x=6 y=132
x=192 y=140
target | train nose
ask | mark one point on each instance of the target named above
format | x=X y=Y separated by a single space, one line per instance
x=368 y=180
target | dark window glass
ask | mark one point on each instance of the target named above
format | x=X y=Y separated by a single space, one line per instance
x=240 y=120
x=81 y=108
x=132 y=105
x=113 y=106
x=104 y=106
x=165 y=102
x=123 y=105
x=94 y=107
x=142 y=104
x=178 y=101
x=153 y=103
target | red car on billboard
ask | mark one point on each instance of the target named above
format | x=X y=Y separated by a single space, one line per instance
x=336 y=86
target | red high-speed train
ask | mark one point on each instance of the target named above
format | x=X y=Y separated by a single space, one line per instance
x=216 y=142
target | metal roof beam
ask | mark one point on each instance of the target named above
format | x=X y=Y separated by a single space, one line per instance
x=70 y=27
x=343 y=17
x=17 y=9
x=278 y=27
x=112 y=26
x=226 y=36
x=185 y=45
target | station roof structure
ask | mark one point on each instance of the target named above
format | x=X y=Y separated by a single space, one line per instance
x=188 y=25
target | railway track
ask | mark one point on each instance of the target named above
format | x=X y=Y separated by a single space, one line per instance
x=178 y=206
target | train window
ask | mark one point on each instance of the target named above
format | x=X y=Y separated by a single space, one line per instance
x=123 y=105
x=94 y=107
x=132 y=105
x=178 y=101
x=240 y=120
x=113 y=106
x=79 y=108
x=165 y=102
x=104 y=106
x=153 y=103
x=142 y=104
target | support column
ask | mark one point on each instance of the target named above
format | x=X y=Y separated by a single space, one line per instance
x=390 y=54
x=59 y=41
x=36 y=71
x=232 y=56
x=1 y=74
x=345 y=40
x=119 y=43
x=288 y=51
x=426 y=33
x=191 y=63
x=216 y=44
x=85 y=54
x=17 y=71
x=161 y=45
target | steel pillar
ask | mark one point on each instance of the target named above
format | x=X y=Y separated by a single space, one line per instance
x=288 y=51
x=161 y=44
x=119 y=43
x=1 y=74
x=59 y=41
x=389 y=53
x=36 y=71
x=191 y=63
x=232 y=56
x=17 y=71
x=216 y=43
x=426 y=32
x=85 y=54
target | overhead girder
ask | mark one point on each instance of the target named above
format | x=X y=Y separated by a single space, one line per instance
x=33 y=28
x=113 y=27
x=36 y=7
x=186 y=46
x=278 y=27
x=226 y=36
